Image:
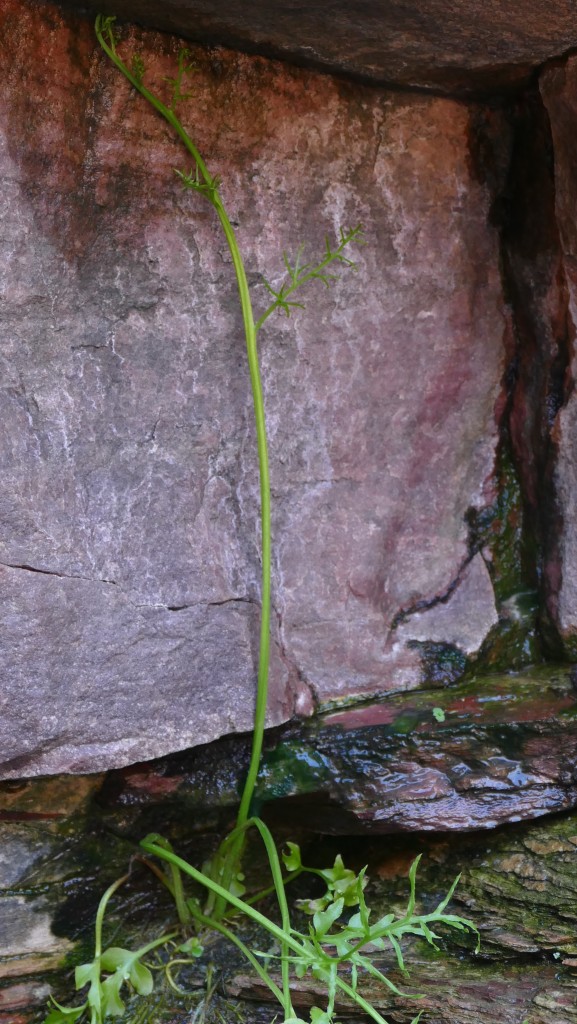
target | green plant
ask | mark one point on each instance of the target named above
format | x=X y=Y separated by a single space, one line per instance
x=337 y=948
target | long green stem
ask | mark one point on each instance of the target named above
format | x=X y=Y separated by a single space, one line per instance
x=273 y=929
x=100 y=914
x=211 y=922
x=104 y=27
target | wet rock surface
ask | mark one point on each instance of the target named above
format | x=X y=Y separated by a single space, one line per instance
x=495 y=750
x=128 y=521
x=451 y=45
x=516 y=885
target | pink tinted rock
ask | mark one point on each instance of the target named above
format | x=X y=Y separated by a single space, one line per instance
x=128 y=520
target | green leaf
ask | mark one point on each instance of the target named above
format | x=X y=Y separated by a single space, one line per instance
x=313 y=906
x=64 y=1014
x=84 y=974
x=324 y=919
x=192 y=946
x=344 y=882
x=439 y=714
x=429 y=935
x=115 y=957
x=112 y=1004
x=141 y=978
x=382 y=925
x=319 y=1016
x=292 y=858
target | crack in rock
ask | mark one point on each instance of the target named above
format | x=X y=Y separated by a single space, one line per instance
x=463 y=618
x=24 y=567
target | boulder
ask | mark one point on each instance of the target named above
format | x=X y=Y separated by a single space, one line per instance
x=129 y=509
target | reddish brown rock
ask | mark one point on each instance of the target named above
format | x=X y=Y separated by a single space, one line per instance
x=495 y=750
x=454 y=45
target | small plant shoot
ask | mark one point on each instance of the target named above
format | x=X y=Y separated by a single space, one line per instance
x=344 y=937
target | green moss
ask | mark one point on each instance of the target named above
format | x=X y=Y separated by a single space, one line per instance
x=442 y=663
x=292 y=767
x=502 y=533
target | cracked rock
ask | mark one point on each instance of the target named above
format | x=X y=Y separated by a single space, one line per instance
x=95 y=681
x=464 y=619
x=128 y=450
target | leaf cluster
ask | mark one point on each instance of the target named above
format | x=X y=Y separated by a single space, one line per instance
x=355 y=940
x=106 y=976
x=299 y=273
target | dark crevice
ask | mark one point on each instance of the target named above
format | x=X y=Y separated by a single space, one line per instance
x=425 y=604
x=209 y=604
x=51 y=572
x=513 y=155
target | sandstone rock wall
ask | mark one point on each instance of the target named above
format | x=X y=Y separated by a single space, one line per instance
x=420 y=411
x=128 y=515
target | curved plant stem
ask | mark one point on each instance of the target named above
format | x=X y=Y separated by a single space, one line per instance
x=273 y=929
x=210 y=922
x=100 y=914
x=204 y=183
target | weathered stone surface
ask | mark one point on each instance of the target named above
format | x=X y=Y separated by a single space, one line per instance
x=469 y=757
x=454 y=45
x=559 y=90
x=452 y=993
x=454 y=622
x=129 y=505
x=505 y=750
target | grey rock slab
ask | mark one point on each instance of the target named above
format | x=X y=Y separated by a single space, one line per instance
x=129 y=506
x=454 y=45
x=96 y=681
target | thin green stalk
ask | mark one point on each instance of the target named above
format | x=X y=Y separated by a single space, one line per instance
x=233 y=840
x=100 y=914
x=211 y=922
x=358 y=999
x=208 y=186
x=273 y=929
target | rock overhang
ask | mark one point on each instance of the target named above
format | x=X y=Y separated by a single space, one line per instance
x=452 y=46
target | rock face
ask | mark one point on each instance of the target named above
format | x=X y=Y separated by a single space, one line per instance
x=454 y=45
x=129 y=508
x=559 y=90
